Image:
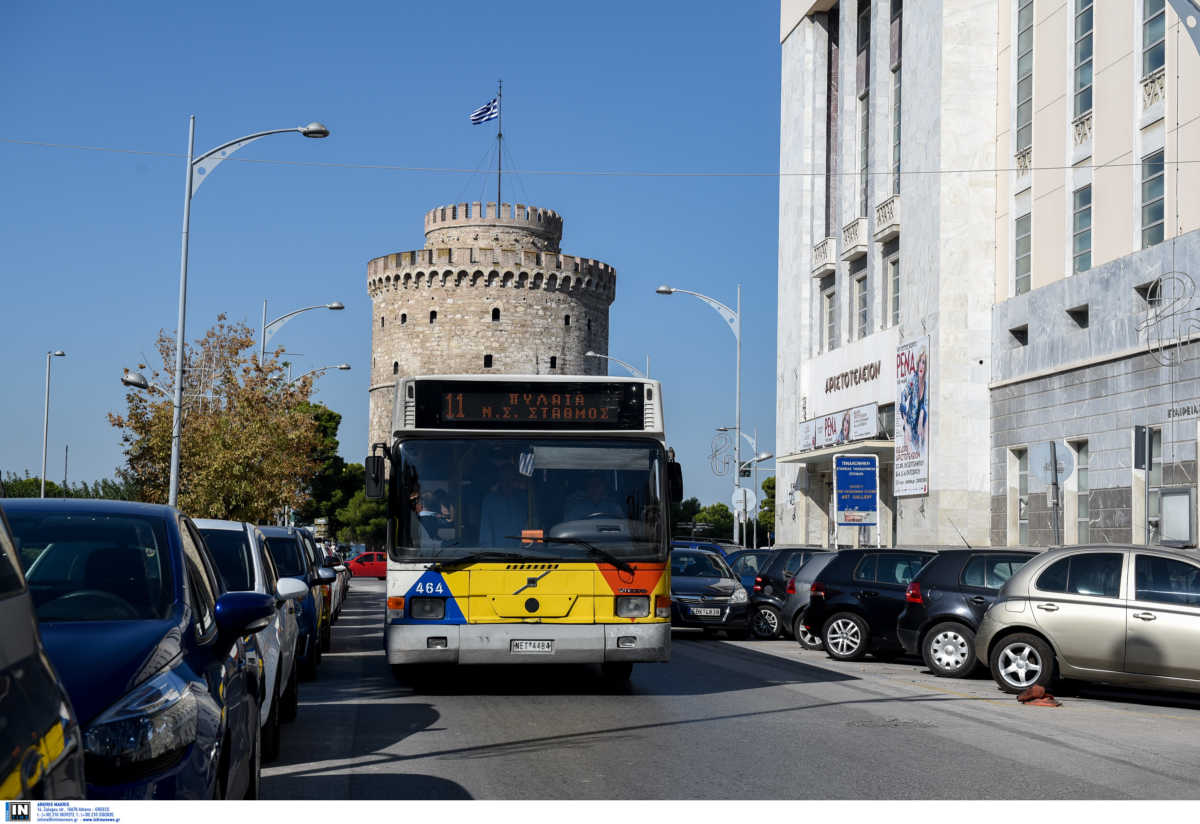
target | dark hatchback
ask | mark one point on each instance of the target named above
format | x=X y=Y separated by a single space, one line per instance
x=855 y=600
x=945 y=603
x=799 y=590
x=151 y=650
x=41 y=748
x=290 y=554
x=770 y=590
x=705 y=593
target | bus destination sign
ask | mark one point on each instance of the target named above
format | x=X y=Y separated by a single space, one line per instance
x=532 y=405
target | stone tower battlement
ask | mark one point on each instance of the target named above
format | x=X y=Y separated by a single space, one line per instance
x=490 y=293
x=481 y=224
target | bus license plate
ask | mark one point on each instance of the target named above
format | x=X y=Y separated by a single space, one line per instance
x=535 y=647
x=707 y=612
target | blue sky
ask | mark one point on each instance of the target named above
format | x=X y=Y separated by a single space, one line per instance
x=90 y=240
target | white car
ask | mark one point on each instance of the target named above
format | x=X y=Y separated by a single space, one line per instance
x=242 y=558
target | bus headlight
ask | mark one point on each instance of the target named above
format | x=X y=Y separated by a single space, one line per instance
x=427 y=609
x=633 y=606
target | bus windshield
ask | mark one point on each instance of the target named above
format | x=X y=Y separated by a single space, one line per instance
x=536 y=498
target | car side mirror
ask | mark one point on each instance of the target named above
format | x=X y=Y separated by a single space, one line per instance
x=325 y=576
x=289 y=589
x=675 y=482
x=243 y=613
x=373 y=466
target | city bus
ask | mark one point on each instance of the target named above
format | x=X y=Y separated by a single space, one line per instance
x=527 y=521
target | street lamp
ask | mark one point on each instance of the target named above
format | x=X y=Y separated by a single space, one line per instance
x=268 y=332
x=138 y=381
x=198 y=168
x=57 y=353
x=756 y=460
x=734 y=319
x=753 y=445
x=637 y=373
x=341 y=366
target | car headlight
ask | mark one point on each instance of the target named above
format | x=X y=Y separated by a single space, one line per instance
x=633 y=606
x=739 y=596
x=156 y=719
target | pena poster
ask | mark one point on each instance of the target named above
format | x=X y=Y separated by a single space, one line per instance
x=912 y=418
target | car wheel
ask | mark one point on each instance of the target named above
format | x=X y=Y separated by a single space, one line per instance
x=803 y=637
x=270 y=730
x=949 y=650
x=765 y=623
x=845 y=637
x=255 y=777
x=1021 y=661
x=289 y=703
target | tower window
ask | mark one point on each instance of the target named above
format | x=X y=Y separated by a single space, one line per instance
x=566 y=320
x=487 y=361
x=382 y=319
x=395 y=367
x=553 y=362
x=433 y=316
x=403 y=318
x=495 y=315
x=589 y=324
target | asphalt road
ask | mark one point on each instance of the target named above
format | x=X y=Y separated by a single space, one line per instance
x=738 y=720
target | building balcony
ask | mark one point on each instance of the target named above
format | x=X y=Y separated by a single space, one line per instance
x=824 y=258
x=1082 y=128
x=854 y=239
x=1024 y=159
x=887 y=219
x=1154 y=88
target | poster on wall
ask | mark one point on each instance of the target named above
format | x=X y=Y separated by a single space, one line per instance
x=912 y=418
x=855 y=424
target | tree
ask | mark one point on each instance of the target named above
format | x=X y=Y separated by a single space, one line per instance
x=684 y=512
x=766 y=510
x=250 y=441
x=364 y=521
x=720 y=517
x=335 y=481
x=30 y=486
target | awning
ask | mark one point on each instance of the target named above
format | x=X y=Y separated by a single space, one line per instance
x=819 y=457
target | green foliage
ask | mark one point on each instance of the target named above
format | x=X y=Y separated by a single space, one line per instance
x=721 y=519
x=362 y=521
x=335 y=482
x=29 y=486
x=766 y=510
x=685 y=512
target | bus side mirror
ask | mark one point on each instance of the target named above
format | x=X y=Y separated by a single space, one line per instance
x=675 y=481
x=374 y=478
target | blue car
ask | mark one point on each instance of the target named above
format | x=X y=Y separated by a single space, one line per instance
x=747 y=564
x=712 y=546
x=152 y=651
x=292 y=560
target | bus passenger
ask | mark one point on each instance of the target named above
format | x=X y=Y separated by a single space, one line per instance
x=505 y=510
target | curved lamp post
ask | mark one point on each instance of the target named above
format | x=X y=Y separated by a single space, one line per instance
x=734 y=319
x=754 y=446
x=198 y=169
x=637 y=373
x=138 y=381
x=339 y=366
x=57 y=353
x=269 y=329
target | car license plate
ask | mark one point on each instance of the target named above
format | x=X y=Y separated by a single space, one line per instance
x=542 y=647
x=706 y=612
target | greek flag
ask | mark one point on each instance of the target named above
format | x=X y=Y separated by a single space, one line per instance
x=488 y=111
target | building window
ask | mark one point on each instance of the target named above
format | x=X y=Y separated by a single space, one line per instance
x=1024 y=75
x=1083 y=57
x=1154 y=36
x=381 y=321
x=566 y=320
x=1082 y=249
x=896 y=130
x=1023 y=497
x=553 y=362
x=893 y=278
x=495 y=316
x=487 y=361
x=861 y=305
x=831 y=122
x=1154 y=481
x=829 y=306
x=1083 y=515
x=864 y=151
x=1022 y=254
x=433 y=316
x=1153 y=182
x=395 y=367
x=403 y=318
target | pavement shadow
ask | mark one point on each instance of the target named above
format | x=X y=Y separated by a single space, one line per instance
x=375 y=786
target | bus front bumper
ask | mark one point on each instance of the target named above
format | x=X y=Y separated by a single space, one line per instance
x=526 y=643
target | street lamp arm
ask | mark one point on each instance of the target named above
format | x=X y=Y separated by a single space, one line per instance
x=341 y=366
x=724 y=311
x=637 y=373
x=203 y=165
x=753 y=443
x=268 y=332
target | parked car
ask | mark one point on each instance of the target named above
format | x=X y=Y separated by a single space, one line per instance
x=770 y=589
x=41 y=748
x=368 y=565
x=150 y=646
x=1122 y=614
x=341 y=587
x=855 y=600
x=946 y=601
x=705 y=593
x=747 y=564
x=797 y=593
x=327 y=584
x=240 y=552
x=291 y=561
x=722 y=549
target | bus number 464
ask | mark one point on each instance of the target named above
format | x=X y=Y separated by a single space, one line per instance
x=430 y=588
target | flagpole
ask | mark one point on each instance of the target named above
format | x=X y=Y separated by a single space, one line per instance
x=499 y=140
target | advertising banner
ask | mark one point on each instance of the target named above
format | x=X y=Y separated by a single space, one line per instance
x=856 y=489
x=855 y=424
x=912 y=418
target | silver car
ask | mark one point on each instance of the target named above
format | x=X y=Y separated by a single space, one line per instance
x=243 y=560
x=1121 y=614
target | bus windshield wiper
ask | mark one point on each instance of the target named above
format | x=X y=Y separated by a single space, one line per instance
x=476 y=557
x=593 y=549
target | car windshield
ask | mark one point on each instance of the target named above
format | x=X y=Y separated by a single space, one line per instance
x=698 y=565
x=288 y=557
x=231 y=551
x=94 y=566
x=560 y=499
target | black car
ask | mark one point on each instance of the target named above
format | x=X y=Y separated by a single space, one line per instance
x=770 y=589
x=705 y=593
x=41 y=749
x=946 y=602
x=855 y=600
x=747 y=564
x=798 y=590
